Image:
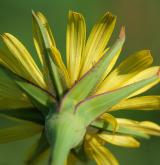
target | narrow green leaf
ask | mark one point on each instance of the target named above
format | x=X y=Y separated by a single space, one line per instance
x=94 y=106
x=38 y=150
x=89 y=81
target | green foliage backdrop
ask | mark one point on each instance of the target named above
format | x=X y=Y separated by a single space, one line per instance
x=142 y=22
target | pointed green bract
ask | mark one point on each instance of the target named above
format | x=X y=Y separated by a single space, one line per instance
x=38 y=96
x=37 y=37
x=56 y=77
x=53 y=74
x=89 y=81
x=94 y=106
x=40 y=45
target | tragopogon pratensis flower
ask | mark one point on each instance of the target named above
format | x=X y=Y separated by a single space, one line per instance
x=71 y=105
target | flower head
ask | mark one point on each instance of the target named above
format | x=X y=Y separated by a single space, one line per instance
x=71 y=105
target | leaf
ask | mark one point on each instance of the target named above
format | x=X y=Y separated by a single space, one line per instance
x=85 y=86
x=94 y=106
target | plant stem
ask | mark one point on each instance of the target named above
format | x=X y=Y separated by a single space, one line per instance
x=64 y=131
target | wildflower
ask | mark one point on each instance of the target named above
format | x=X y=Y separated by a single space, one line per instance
x=71 y=105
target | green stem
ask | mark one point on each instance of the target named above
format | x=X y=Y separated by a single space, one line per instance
x=64 y=131
x=59 y=153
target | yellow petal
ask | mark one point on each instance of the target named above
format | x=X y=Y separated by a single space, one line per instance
x=20 y=61
x=126 y=70
x=144 y=75
x=75 y=41
x=120 y=140
x=146 y=127
x=97 y=41
x=110 y=119
x=139 y=103
x=11 y=97
x=100 y=154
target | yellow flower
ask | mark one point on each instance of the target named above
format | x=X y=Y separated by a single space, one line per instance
x=70 y=105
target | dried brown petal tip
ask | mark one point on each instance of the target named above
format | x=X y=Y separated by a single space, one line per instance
x=158 y=73
x=122 y=33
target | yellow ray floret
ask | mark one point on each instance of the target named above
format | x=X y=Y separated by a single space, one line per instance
x=20 y=61
x=75 y=41
x=149 y=72
x=97 y=41
x=126 y=70
x=139 y=103
x=146 y=127
x=120 y=140
x=95 y=149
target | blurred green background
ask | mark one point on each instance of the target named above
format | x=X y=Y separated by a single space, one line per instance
x=142 y=21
